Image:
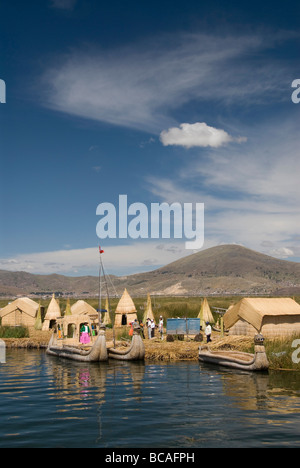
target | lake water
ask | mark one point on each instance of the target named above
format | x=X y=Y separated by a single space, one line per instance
x=47 y=402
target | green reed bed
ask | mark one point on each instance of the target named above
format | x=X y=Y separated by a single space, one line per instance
x=283 y=353
x=14 y=332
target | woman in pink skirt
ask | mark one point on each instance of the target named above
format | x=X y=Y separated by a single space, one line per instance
x=85 y=334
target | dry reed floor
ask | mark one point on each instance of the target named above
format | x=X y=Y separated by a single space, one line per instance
x=156 y=349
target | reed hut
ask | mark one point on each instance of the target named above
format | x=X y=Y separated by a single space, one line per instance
x=148 y=312
x=125 y=311
x=272 y=318
x=21 y=312
x=52 y=314
x=83 y=308
x=205 y=314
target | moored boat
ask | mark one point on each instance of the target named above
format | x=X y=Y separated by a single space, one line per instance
x=134 y=352
x=69 y=347
x=82 y=337
x=236 y=359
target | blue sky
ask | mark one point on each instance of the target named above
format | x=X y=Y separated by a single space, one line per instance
x=161 y=101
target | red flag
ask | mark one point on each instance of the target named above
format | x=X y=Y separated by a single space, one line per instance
x=101 y=251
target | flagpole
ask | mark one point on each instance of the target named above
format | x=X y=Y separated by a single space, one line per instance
x=101 y=270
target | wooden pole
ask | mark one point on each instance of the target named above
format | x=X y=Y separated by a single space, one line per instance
x=222 y=327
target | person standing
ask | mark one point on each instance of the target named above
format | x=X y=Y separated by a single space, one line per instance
x=161 y=327
x=208 y=332
x=149 y=328
x=152 y=329
x=85 y=334
x=142 y=329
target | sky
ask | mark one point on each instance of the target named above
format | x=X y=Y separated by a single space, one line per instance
x=163 y=102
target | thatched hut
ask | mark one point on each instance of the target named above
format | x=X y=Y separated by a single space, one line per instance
x=83 y=308
x=125 y=311
x=21 y=312
x=148 y=311
x=52 y=314
x=205 y=314
x=270 y=317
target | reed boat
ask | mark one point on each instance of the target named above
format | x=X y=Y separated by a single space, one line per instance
x=236 y=359
x=135 y=352
x=63 y=345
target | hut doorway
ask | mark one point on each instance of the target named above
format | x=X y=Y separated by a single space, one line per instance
x=124 y=319
x=71 y=330
x=52 y=324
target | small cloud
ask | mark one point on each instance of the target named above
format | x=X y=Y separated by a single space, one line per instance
x=97 y=168
x=283 y=252
x=197 y=134
x=148 y=142
x=63 y=4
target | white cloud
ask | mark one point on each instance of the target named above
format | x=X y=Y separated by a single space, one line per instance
x=197 y=134
x=118 y=259
x=251 y=193
x=141 y=85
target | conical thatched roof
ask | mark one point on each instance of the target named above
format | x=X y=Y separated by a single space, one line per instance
x=205 y=314
x=148 y=312
x=126 y=304
x=82 y=308
x=53 y=311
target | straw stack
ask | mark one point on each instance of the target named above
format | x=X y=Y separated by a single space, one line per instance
x=148 y=312
x=205 y=314
x=106 y=317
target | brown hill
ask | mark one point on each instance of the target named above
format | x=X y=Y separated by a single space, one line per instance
x=227 y=269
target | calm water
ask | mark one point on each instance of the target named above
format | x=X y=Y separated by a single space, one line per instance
x=47 y=402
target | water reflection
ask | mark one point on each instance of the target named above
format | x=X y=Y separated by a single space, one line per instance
x=262 y=391
x=49 y=402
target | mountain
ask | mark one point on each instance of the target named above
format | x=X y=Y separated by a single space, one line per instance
x=226 y=269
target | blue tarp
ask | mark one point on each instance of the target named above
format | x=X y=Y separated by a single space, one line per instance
x=190 y=326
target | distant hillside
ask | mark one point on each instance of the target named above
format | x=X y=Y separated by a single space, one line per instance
x=227 y=269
